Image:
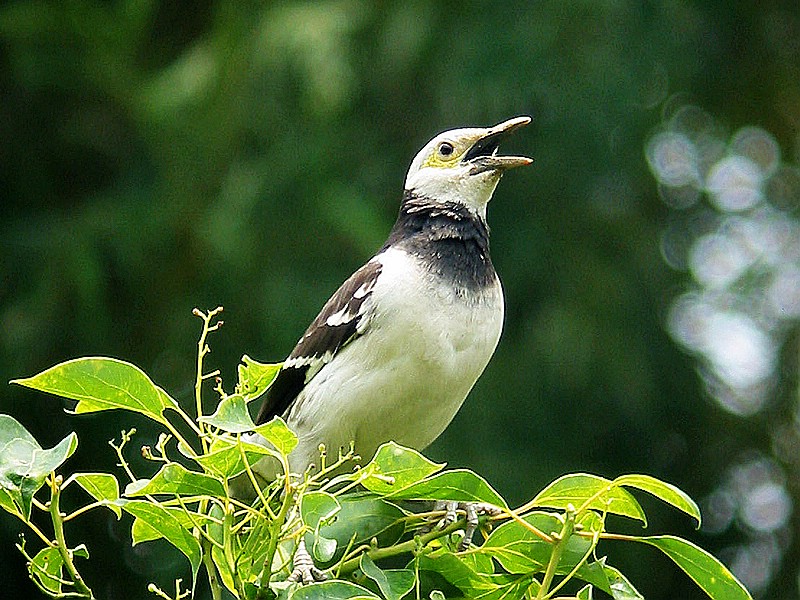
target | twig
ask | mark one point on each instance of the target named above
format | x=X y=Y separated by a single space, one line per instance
x=202 y=350
x=351 y=565
x=61 y=543
x=558 y=551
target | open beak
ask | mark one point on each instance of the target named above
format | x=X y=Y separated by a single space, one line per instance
x=483 y=153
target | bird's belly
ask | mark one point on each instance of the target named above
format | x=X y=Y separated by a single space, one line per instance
x=427 y=347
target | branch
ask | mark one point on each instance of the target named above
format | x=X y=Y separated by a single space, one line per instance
x=61 y=542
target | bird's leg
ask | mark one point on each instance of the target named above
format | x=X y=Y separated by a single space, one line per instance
x=450 y=515
x=304 y=570
x=472 y=511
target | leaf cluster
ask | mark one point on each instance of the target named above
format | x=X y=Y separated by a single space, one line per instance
x=375 y=530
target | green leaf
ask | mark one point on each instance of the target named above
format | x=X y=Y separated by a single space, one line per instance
x=363 y=518
x=11 y=429
x=216 y=532
x=7 y=503
x=460 y=574
x=277 y=433
x=608 y=579
x=47 y=461
x=620 y=587
x=711 y=575
x=584 y=491
x=585 y=593
x=224 y=457
x=254 y=550
x=103 y=487
x=224 y=569
x=322 y=548
x=480 y=563
x=393 y=583
x=231 y=416
x=24 y=465
x=100 y=383
x=461 y=485
x=664 y=491
x=332 y=590
x=170 y=527
x=452 y=569
x=520 y=551
x=174 y=478
x=518 y=587
x=476 y=585
x=255 y=378
x=317 y=509
x=394 y=467
x=46 y=568
x=142 y=531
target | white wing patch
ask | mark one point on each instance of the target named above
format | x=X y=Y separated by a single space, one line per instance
x=345 y=315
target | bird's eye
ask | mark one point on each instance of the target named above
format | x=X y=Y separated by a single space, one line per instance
x=446 y=148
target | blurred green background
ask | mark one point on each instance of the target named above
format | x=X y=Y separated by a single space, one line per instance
x=157 y=156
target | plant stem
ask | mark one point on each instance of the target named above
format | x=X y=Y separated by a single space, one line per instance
x=202 y=350
x=211 y=571
x=227 y=546
x=251 y=476
x=37 y=531
x=408 y=546
x=125 y=437
x=61 y=542
x=515 y=515
x=189 y=422
x=558 y=550
x=78 y=512
x=32 y=526
x=579 y=564
x=275 y=529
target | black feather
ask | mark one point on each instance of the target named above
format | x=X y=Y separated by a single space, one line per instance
x=451 y=240
x=280 y=394
x=320 y=341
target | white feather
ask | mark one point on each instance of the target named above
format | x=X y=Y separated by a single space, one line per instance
x=407 y=377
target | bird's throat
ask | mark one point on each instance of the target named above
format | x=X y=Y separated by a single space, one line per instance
x=448 y=238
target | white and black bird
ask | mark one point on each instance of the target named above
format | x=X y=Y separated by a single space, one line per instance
x=395 y=351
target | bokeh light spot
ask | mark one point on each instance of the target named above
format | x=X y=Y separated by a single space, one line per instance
x=741 y=353
x=767 y=507
x=718 y=260
x=741 y=247
x=783 y=293
x=759 y=146
x=734 y=183
x=673 y=159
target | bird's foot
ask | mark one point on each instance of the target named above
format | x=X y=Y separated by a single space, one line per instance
x=304 y=570
x=472 y=512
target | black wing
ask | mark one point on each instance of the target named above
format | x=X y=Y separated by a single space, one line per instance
x=340 y=320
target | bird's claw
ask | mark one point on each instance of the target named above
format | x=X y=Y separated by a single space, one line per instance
x=304 y=570
x=472 y=510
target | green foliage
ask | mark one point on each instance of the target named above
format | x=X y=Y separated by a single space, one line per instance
x=24 y=464
x=364 y=526
x=103 y=384
x=160 y=152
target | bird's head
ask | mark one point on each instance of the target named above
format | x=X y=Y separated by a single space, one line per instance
x=462 y=165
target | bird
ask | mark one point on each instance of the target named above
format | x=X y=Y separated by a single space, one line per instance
x=397 y=348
